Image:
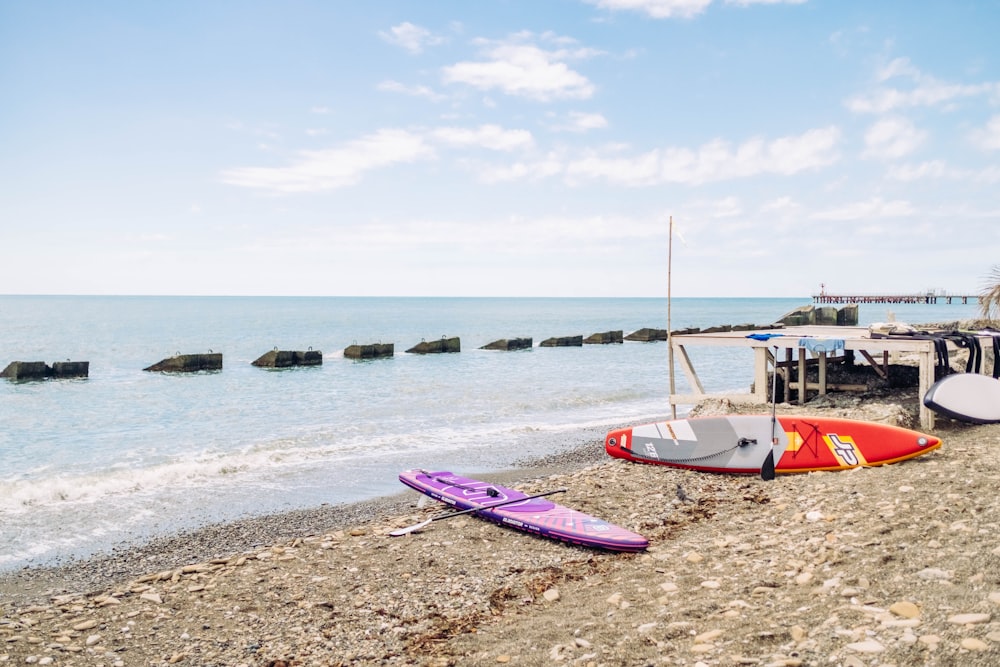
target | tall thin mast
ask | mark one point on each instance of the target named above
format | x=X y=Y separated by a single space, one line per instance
x=670 y=341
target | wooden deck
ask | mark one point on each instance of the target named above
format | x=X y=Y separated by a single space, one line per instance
x=875 y=350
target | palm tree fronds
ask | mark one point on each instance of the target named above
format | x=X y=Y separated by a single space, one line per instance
x=990 y=296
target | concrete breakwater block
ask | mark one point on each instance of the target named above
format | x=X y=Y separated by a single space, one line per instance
x=25 y=370
x=563 y=341
x=808 y=315
x=647 y=335
x=70 y=369
x=437 y=346
x=289 y=358
x=39 y=370
x=507 y=344
x=189 y=363
x=848 y=316
x=604 y=338
x=370 y=351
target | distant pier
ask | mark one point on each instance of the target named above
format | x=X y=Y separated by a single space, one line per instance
x=927 y=298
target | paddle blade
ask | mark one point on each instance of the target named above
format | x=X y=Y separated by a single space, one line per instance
x=410 y=529
x=767 y=469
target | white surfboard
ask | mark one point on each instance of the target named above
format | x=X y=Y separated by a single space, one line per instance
x=968 y=397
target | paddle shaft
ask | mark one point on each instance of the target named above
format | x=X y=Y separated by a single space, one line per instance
x=480 y=508
x=500 y=504
x=767 y=469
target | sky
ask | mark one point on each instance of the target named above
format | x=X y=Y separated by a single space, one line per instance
x=499 y=147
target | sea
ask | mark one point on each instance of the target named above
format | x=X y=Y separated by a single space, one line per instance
x=123 y=456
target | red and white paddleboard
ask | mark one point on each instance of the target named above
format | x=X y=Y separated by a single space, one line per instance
x=741 y=443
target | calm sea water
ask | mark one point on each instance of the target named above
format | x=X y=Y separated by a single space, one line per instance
x=91 y=464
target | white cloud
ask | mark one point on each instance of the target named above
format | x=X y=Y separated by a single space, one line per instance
x=493 y=137
x=685 y=9
x=533 y=170
x=658 y=9
x=939 y=170
x=344 y=166
x=892 y=138
x=989 y=176
x=414 y=91
x=411 y=37
x=922 y=90
x=747 y=3
x=867 y=210
x=520 y=68
x=335 y=167
x=728 y=207
x=578 y=121
x=714 y=161
x=932 y=169
x=988 y=138
x=780 y=205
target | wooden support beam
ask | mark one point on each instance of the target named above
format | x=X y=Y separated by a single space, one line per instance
x=883 y=368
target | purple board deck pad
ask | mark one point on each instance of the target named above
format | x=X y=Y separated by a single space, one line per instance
x=538 y=516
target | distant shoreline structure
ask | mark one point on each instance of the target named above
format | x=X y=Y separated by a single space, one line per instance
x=963 y=299
x=926 y=297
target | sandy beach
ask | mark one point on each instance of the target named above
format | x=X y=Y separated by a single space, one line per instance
x=892 y=565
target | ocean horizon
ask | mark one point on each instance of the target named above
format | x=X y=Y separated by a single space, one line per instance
x=122 y=456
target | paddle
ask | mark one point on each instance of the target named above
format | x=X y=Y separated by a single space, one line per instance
x=422 y=524
x=767 y=468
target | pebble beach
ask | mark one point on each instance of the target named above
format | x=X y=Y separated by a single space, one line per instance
x=890 y=565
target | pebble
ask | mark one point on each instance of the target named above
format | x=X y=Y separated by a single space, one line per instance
x=969 y=619
x=934 y=573
x=905 y=608
x=707 y=637
x=973 y=644
x=868 y=646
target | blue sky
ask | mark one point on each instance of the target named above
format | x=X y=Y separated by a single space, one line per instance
x=499 y=148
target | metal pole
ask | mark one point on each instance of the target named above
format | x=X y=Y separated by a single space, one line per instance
x=670 y=340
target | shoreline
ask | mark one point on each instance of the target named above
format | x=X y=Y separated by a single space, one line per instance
x=894 y=564
x=35 y=583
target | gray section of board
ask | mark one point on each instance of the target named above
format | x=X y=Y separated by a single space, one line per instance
x=739 y=442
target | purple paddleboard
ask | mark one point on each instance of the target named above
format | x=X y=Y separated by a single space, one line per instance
x=532 y=515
